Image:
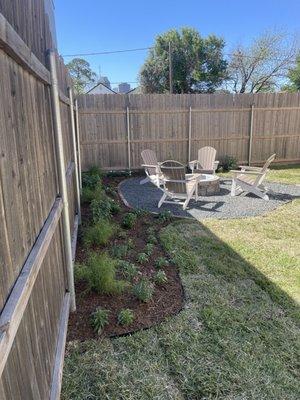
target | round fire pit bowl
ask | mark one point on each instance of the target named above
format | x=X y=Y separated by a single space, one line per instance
x=209 y=185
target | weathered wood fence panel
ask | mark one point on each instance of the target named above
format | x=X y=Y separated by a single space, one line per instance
x=34 y=299
x=163 y=123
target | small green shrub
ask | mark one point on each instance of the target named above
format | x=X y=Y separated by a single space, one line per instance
x=130 y=243
x=111 y=192
x=92 y=178
x=129 y=270
x=160 y=277
x=143 y=290
x=142 y=258
x=151 y=230
x=125 y=317
x=129 y=220
x=99 y=272
x=119 y=251
x=161 y=262
x=100 y=208
x=149 y=248
x=152 y=239
x=98 y=234
x=87 y=195
x=164 y=216
x=99 y=319
x=229 y=163
x=122 y=234
x=139 y=212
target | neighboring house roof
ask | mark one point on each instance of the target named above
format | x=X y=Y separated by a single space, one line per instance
x=100 y=88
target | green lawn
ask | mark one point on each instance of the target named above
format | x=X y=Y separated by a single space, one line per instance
x=238 y=336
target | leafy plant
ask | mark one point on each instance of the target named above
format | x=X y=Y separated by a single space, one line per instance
x=119 y=251
x=164 y=216
x=130 y=243
x=149 y=248
x=139 y=212
x=160 y=277
x=87 y=195
x=111 y=192
x=125 y=317
x=99 y=319
x=143 y=290
x=92 y=178
x=142 y=258
x=229 y=163
x=161 y=262
x=99 y=273
x=129 y=270
x=152 y=239
x=98 y=234
x=129 y=220
x=101 y=208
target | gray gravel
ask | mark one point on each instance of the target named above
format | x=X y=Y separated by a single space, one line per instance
x=220 y=206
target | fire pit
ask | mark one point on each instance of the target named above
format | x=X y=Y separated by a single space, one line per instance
x=208 y=185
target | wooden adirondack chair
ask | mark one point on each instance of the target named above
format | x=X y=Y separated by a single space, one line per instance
x=206 y=162
x=176 y=184
x=152 y=168
x=250 y=179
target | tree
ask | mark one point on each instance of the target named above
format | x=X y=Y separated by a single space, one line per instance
x=262 y=65
x=294 y=78
x=82 y=74
x=197 y=63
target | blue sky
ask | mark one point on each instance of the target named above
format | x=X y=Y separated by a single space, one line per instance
x=92 y=26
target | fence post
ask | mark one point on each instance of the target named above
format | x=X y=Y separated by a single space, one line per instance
x=128 y=139
x=250 y=136
x=78 y=143
x=190 y=134
x=62 y=177
x=75 y=152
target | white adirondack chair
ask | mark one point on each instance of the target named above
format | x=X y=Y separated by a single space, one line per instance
x=176 y=184
x=206 y=162
x=152 y=168
x=250 y=179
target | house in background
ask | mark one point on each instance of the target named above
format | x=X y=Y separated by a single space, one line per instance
x=101 y=88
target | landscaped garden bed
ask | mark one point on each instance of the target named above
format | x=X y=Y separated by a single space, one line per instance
x=237 y=334
x=124 y=279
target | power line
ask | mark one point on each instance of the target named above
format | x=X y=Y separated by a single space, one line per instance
x=106 y=52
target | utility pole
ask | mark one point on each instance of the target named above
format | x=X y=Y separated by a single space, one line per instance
x=170 y=69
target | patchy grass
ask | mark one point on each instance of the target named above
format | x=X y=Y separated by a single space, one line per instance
x=238 y=336
x=279 y=173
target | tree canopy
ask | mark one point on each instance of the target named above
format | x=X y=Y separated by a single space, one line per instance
x=198 y=65
x=294 y=78
x=262 y=65
x=82 y=74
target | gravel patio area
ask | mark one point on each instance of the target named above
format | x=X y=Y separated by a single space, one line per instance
x=220 y=206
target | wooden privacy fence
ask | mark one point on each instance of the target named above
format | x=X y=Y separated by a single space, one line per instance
x=39 y=203
x=114 y=129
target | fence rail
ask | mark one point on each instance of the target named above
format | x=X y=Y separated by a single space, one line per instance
x=116 y=128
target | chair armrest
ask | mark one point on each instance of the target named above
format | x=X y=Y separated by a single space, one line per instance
x=239 y=172
x=149 y=165
x=246 y=167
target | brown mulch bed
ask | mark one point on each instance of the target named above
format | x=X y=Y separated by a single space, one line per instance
x=167 y=299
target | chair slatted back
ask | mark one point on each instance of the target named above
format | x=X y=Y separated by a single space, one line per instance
x=268 y=162
x=206 y=157
x=149 y=158
x=174 y=176
x=260 y=178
